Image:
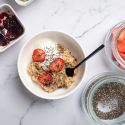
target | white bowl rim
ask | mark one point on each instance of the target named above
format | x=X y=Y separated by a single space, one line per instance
x=61 y=96
x=21 y=3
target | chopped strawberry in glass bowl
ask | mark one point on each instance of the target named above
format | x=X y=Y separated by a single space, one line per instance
x=115 y=47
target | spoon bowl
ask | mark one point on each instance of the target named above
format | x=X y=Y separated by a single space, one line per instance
x=69 y=72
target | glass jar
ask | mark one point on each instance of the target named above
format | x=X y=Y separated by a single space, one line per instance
x=112 y=55
x=88 y=94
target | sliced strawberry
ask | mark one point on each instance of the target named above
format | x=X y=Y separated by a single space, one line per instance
x=122 y=36
x=121 y=46
x=45 y=79
x=122 y=55
x=57 y=65
x=38 y=55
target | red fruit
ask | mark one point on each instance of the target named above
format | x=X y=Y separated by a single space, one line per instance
x=2 y=15
x=9 y=35
x=122 y=55
x=121 y=46
x=45 y=79
x=57 y=65
x=38 y=55
x=14 y=29
x=3 y=41
x=122 y=36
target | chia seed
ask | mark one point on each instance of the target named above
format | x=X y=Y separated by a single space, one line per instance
x=51 y=54
x=109 y=101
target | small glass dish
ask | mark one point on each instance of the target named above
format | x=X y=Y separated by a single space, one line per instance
x=112 y=55
x=88 y=94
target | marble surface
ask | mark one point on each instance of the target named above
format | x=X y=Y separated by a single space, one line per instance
x=88 y=21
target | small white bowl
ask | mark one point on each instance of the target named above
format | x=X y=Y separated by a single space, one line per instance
x=8 y=8
x=23 y=3
x=25 y=57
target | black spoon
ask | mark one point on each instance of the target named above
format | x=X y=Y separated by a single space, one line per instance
x=70 y=71
x=1 y=36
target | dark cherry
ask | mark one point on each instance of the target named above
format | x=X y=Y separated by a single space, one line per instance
x=3 y=42
x=2 y=15
x=10 y=28
x=13 y=28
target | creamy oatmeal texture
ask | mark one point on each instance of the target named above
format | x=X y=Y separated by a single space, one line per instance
x=60 y=79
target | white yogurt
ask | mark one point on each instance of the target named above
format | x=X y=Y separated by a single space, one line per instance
x=51 y=51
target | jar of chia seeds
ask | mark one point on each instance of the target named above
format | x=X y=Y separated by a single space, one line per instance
x=115 y=47
x=103 y=99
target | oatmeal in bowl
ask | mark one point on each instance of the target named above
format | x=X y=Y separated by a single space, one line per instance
x=48 y=64
x=42 y=62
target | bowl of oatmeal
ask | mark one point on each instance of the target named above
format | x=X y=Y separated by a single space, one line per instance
x=42 y=62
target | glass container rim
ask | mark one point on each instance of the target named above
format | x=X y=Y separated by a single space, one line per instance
x=120 y=70
x=100 y=77
x=114 y=45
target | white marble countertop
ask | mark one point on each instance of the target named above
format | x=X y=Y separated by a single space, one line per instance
x=88 y=21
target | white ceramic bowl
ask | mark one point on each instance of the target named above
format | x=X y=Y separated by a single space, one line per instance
x=7 y=8
x=25 y=57
x=22 y=3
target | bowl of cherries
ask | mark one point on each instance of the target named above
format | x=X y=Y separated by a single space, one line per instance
x=11 y=28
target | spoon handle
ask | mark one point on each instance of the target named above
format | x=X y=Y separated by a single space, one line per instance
x=92 y=54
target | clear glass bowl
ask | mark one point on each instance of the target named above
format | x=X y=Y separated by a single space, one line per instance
x=113 y=58
x=90 y=89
